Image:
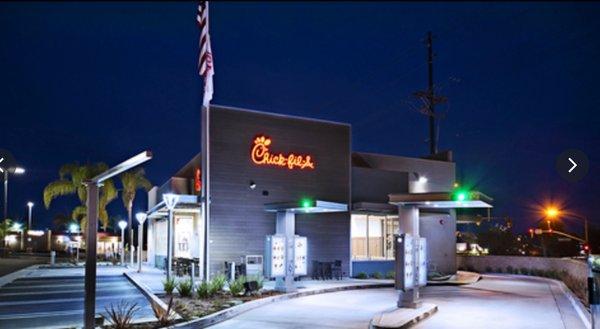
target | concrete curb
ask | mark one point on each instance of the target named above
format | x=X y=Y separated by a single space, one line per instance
x=234 y=311
x=17 y=274
x=152 y=298
x=583 y=313
x=474 y=277
x=408 y=323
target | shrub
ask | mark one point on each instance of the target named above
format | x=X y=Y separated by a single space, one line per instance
x=362 y=275
x=218 y=283
x=236 y=287
x=553 y=274
x=499 y=270
x=164 y=317
x=259 y=279
x=390 y=275
x=563 y=274
x=169 y=285
x=184 y=287
x=121 y=314
x=204 y=290
x=524 y=270
x=377 y=275
x=510 y=269
x=488 y=269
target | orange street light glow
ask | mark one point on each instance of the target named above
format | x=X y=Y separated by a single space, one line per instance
x=551 y=212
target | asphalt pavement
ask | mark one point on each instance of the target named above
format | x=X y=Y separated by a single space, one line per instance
x=57 y=302
x=495 y=302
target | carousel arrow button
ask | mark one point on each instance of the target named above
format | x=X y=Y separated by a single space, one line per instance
x=574 y=165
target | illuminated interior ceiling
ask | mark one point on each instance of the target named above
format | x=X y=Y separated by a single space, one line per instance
x=307 y=206
x=441 y=200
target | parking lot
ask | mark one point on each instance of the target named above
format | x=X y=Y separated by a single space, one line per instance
x=57 y=302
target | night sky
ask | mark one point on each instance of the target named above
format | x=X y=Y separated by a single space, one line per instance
x=104 y=81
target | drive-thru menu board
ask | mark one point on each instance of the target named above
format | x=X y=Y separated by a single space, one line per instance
x=276 y=257
x=300 y=267
x=404 y=262
x=411 y=262
x=422 y=261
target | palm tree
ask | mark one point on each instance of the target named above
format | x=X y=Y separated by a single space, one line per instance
x=61 y=222
x=5 y=227
x=131 y=182
x=71 y=179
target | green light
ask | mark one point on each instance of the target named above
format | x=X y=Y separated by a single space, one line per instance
x=306 y=203
x=461 y=195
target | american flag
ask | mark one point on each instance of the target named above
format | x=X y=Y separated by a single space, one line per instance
x=205 y=61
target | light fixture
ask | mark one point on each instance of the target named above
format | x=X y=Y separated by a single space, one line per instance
x=73 y=227
x=170 y=200
x=29 y=204
x=422 y=179
x=16 y=227
x=19 y=170
x=122 y=224
x=252 y=185
x=141 y=217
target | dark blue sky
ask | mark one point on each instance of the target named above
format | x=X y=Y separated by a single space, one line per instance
x=103 y=81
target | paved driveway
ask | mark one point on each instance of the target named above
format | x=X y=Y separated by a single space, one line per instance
x=492 y=303
x=57 y=302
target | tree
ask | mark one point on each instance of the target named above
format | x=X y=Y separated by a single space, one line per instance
x=71 y=181
x=131 y=181
x=5 y=227
x=61 y=222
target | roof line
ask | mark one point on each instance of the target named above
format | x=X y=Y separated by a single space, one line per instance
x=288 y=116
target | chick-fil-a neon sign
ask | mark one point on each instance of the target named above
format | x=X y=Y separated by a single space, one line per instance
x=261 y=155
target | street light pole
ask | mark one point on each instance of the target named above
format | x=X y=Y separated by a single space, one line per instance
x=92 y=186
x=90 y=263
x=16 y=170
x=141 y=217
x=5 y=194
x=122 y=226
x=29 y=205
x=170 y=202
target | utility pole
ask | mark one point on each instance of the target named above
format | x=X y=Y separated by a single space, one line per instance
x=429 y=98
x=432 y=134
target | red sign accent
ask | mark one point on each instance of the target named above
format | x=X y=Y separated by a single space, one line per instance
x=261 y=156
x=198 y=180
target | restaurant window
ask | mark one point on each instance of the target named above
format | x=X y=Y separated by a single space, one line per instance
x=359 y=236
x=373 y=236
x=183 y=236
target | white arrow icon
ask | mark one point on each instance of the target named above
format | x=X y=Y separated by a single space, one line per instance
x=574 y=164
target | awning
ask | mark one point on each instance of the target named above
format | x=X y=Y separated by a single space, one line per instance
x=374 y=207
x=442 y=200
x=186 y=203
x=307 y=206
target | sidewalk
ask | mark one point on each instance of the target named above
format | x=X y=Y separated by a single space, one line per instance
x=152 y=278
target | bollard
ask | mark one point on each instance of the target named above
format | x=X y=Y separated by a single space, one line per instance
x=232 y=272
x=193 y=273
x=52 y=257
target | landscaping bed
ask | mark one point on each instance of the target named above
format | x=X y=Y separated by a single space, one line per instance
x=190 y=308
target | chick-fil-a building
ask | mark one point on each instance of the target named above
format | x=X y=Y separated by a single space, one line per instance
x=288 y=194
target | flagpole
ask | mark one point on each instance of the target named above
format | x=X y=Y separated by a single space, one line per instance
x=206 y=190
x=206 y=70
